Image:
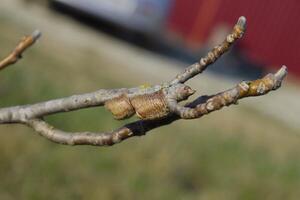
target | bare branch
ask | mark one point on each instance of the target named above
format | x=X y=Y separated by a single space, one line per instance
x=16 y=54
x=214 y=54
x=138 y=128
x=190 y=111
x=244 y=89
x=156 y=106
x=22 y=113
x=82 y=138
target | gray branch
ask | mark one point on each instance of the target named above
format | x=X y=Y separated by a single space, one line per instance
x=23 y=113
x=214 y=54
x=145 y=102
x=196 y=109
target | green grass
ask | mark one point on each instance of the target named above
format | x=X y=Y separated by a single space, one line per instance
x=232 y=154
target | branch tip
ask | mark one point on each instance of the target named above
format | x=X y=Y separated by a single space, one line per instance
x=242 y=22
x=279 y=76
x=36 y=35
x=281 y=73
x=16 y=54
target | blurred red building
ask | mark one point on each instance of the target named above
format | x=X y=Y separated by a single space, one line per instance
x=273 y=27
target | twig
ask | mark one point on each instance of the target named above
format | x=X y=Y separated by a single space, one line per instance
x=16 y=54
x=156 y=106
x=214 y=54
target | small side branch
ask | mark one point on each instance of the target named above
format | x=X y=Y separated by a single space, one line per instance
x=138 y=128
x=79 y=138
x=244 y=89
x=214 y=54
x=16 y=54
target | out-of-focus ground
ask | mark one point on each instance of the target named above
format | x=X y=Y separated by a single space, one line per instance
x=250 y=151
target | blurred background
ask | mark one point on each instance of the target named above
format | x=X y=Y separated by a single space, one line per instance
x=250 y=151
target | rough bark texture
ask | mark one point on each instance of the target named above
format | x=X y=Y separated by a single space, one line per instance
x=156 y=105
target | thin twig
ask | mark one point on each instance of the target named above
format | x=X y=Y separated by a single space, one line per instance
x=16 y=54
x=214 y=54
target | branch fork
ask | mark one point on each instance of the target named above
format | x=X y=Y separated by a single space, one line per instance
x=156 y=105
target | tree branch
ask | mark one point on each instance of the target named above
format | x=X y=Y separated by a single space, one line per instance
x=16 y=54
x=192 y=110
x=244 y=89
x=214 y=54
x=156 y=105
